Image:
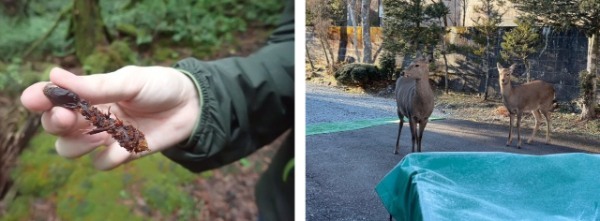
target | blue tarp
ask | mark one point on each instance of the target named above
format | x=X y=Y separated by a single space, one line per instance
x=493 y=186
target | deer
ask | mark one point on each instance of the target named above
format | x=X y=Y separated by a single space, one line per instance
x=414 y=98
x=536 y=96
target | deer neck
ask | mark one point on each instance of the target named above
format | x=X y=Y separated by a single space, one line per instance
x=506 y=90
x=423 y=88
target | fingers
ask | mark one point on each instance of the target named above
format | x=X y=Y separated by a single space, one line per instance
x=33 y=98
x=112 y=156
x=108 y=158
x=76 y=145
x=59 y=121
x=117 y=86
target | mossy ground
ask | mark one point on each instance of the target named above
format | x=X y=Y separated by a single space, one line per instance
x=51 y=187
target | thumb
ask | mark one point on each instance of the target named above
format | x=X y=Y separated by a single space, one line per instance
x=99 y=88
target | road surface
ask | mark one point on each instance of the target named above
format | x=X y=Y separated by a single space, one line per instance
x=344 y=167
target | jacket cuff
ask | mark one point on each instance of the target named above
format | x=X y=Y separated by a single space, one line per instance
x=207 y=134
x=193 y=139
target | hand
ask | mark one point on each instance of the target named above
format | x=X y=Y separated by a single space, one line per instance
x=161 y=102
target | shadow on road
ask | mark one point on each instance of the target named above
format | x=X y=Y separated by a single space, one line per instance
x=343 y=168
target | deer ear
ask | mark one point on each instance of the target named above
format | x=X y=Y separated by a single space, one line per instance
x=512 y=67
x=498 y=65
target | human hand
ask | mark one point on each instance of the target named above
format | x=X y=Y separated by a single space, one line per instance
x=160 y=101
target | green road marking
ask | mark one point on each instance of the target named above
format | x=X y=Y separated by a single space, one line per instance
x=323 y=128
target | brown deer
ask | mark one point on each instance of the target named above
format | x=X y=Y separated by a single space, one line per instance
x=414 y=98
x=536 y=96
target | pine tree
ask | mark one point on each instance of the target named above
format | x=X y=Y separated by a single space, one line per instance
x=412 y=26
x=486 y=25
x=520 y=43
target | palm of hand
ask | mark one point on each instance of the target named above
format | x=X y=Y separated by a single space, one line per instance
x=159 y=101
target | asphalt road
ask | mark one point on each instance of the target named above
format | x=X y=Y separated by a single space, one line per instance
x=344 y=167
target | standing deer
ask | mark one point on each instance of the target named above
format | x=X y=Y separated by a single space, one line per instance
x=414 y=98
x=536 y=96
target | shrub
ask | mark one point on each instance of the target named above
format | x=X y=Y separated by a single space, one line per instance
x=387 y=65
x=358 y=74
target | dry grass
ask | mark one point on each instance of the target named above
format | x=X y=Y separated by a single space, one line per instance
x=473 y=108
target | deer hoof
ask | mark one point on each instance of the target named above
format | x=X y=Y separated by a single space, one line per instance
x=396 y=152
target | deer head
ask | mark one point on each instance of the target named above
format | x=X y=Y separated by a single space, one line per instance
x=504 y=73
x=418 y=69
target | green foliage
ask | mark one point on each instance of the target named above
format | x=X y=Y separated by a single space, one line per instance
x=165 y=54
x=17 y=75
x=405 y=31
x=205 y=24
x=83 y=193
x=387 y=64
x=103 y=60
x=520 y=42
x=358 y=74
x=484 y=32
x=20 y=34
x=562 y=14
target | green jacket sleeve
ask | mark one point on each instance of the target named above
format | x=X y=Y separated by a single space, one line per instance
x=246 y=102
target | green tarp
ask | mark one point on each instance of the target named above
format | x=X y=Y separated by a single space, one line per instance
x=322 y=128
x=493 y=186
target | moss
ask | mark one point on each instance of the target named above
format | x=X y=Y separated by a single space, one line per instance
x=98 y=62
x=128 y=29
x=37 y=163
x=83 y=193
x=165 y=54
x=115 y=56
x=18 y=209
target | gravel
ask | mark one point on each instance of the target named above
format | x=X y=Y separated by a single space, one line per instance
x=330 y=104
x=325 y=104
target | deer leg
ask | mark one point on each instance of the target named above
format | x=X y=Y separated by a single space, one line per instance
x=413 y=130
x=399 y=130
x=548 y=127
x=538 y=121
x=510 y=123
x=420 y=136
x=519 y=116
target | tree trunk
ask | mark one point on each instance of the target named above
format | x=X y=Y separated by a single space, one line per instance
x=464 y=13
x=329 y=64
x=588 y=108
x=351 y=5
x=343 y=43
x=486 y=67
x=16 y=129
x=312 y=66
x=366 y=31
x=446 y=68
x=527 y=69
x=87 y=27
